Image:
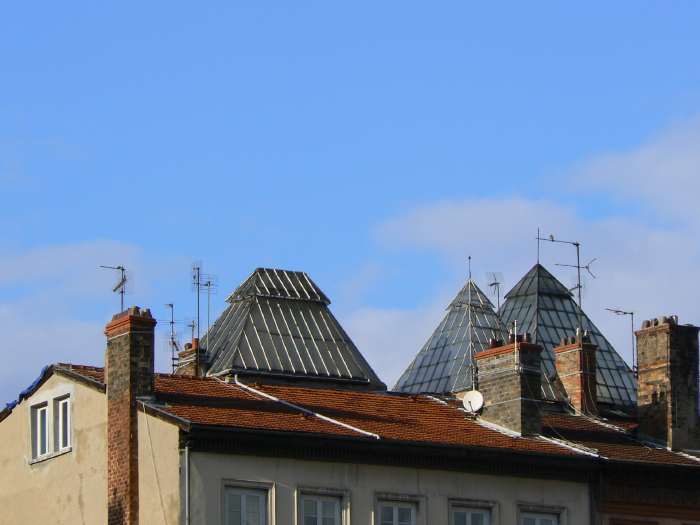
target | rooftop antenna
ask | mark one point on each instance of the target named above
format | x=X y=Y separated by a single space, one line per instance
x=174 y=346
x=197 y=285
x=538 y=245
x=121 y=284
x=211 y=287
x=587 y=267
x=470 y=325
x=617 y=311
x=494 y=282
x=192 y=325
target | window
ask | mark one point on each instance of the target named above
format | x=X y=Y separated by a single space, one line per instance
x=320 y=510
x=245 y=506
x=469 y=516
x=530 y=518
x=40 y=430
x=62 y=430
x=397 y=513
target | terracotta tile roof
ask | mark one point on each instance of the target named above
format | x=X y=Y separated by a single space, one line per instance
x=611 y=439
x=394 y=417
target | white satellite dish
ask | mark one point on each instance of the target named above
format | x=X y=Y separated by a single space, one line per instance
x=473 y=401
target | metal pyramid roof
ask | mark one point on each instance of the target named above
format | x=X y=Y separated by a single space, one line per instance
x=444 y=364
x=546 y=309
x=278 y=323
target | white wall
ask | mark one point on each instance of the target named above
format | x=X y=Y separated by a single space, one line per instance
x=363 y=483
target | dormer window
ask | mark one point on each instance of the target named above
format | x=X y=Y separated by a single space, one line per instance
x=40 y=430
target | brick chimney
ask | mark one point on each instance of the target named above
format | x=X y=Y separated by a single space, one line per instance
x=188 y=362
x=576 y=368
x=667 y=382
x=128 y=375
x=509 y=378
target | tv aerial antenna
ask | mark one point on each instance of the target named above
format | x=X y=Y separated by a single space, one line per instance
x=578 y=266
x=618 y=311
x=172 y=340
x=495 y=279
x=210 y=284
x=120 y=287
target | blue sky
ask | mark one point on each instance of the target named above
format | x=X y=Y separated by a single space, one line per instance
x=373 y=145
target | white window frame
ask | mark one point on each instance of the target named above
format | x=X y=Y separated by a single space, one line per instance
x=343 y=496
x=36 y=411
x=319 y=499
x=60 y=423
x=396 y=504
x=265 y=489
x=486 y=508
x=526 y=510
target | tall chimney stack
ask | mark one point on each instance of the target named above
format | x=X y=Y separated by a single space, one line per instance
x=129 y=367
x=667 y=382
x=576 y=368
x=510 y=380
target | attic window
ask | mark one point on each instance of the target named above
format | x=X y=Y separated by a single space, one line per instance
x=40 y=430
x=62 y=427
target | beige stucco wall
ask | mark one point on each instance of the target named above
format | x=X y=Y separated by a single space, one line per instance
x=71 y=488
x=159 y=472
x=362 y=484
x=67 y=489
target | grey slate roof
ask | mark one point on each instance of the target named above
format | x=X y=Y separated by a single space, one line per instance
x=545 y=308
x=278 y=322
x=444 y=364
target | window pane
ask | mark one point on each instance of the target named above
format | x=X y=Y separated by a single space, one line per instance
x=330 y=512
x=405 y=515
x=459 y=518
x=529 y=521
x=478 y=519
x=64 y=424
x=386 y=515
x=233 y=513
x=309 y=511
x=252 y=510
x=42 y=431
x=546 y=521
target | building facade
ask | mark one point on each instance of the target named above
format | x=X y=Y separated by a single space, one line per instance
x=279 y=420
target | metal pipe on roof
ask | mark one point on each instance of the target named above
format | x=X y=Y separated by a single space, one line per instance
x=300 y=408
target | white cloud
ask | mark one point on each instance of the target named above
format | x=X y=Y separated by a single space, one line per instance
x=55 y=301
x=664 y=172
x=389 y=338
x=646 y=266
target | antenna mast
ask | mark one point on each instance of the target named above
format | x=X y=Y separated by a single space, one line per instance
x=210 y=284
x=197 y=283
x=470 y=325
x=121 y=285
x=578 y=267
x=174 y=346
x=617 y=311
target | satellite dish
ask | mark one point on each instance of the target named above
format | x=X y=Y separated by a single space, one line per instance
x=473 y=401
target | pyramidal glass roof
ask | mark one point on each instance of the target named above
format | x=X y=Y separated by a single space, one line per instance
x=545 y=308
x=278 y=323
x=444 y=364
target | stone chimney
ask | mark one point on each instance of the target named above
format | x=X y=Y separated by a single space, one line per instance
x=667 y=382
x=129 y=375
x=576 y=368
x=509 y=378
x=189 y=360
